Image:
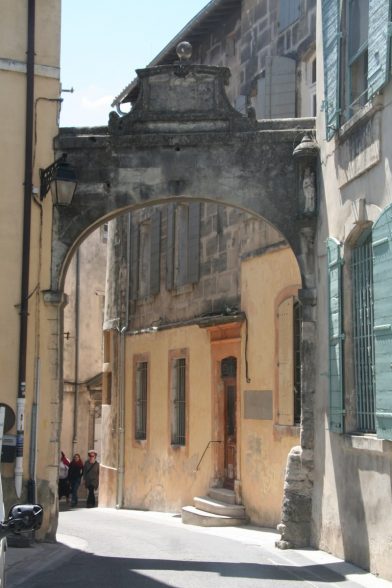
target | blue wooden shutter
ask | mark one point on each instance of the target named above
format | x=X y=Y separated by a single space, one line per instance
x=331 y=48
x=155 y=261
x=335 y=336
x=382 y=288
x=378 y=45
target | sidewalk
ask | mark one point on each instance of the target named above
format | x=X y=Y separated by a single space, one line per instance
x=24 y=562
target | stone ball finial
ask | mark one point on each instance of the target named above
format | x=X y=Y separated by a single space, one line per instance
x=184 y=51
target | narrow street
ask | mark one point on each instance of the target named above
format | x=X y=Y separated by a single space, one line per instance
x=105 y=548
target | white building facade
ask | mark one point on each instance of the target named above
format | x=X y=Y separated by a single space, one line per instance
x=353 y=400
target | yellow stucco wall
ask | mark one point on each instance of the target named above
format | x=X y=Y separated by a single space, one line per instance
x=86 y=342
x=265 y=281
x=40 y=366
x=158 y=476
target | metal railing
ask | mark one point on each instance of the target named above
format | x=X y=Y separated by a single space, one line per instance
x=204 y=452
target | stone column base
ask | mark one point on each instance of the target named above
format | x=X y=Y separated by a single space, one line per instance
x=297 y=500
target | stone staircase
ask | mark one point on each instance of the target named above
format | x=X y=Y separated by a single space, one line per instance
x=217 y=509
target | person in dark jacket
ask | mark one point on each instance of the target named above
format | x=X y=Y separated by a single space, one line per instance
x=75 y=473
x=91 y=477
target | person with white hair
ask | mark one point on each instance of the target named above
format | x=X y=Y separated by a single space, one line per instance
x=91 y=477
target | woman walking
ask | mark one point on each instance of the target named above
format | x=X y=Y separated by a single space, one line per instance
x=91 y=477
x=63 y=486
x=75 y=472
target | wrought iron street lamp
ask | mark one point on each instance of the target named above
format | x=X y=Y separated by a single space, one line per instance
x=61 y=178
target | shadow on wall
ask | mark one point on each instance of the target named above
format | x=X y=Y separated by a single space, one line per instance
x=347 y=466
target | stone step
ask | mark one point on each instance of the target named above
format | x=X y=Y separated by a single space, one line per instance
x=218 y=507
x=194 y=516
x=222 y=494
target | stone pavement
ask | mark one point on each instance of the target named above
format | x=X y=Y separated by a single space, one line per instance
x=22 y=562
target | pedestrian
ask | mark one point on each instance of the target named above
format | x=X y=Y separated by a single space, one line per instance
x=63 y=477
x=75 y=473
x=91 y=477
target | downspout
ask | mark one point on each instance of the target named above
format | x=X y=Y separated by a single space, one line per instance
x=32 y=483
x=31 y=486
x=28 y=188
x=121 y=400
x=76 y=351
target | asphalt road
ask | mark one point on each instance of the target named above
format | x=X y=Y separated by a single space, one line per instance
x=105 y=548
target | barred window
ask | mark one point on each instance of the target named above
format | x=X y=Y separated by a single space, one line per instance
x=178 y=404
x=141 y=398
x=362 y=279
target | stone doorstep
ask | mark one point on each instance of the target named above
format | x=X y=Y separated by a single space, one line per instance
x=218 y=507
x=222 y=494
x=194 y=516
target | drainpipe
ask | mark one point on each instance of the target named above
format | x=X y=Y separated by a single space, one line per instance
x=31 y=486
x=28 y=187
x=76 y=351
x=121 y=394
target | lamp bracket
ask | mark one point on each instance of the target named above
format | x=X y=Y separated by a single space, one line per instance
x=48 y=174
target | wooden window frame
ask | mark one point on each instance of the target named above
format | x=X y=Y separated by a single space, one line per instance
x=293 y=418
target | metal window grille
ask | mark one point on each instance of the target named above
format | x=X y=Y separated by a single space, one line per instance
x=297 y=361
x=362 y=291
x=141 y=401
x=179 y=402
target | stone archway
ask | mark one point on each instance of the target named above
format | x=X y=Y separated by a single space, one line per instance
x=184 y=140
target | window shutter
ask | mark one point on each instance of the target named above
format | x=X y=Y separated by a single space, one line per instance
x=331 y=48
x=134 y=258
x=276 y=89
x=194 y=242
x=378 y=47
x=335 y=336
x=289 y=12
x=155 y=261
x=285 y=359
x=170 y=247
x=181 y=250
x=382 y=287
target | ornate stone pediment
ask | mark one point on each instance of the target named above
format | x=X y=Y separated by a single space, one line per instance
x=181 y=98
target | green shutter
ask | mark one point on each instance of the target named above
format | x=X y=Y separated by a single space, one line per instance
x=378 y=45
x=331 y=48
x=382 y=289
x=335 y=336
x=155 y=261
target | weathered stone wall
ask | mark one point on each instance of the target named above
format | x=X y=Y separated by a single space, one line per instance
x=244 y=41
x=227 y=235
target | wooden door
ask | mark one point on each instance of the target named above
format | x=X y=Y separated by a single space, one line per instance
x=230 y=431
